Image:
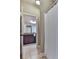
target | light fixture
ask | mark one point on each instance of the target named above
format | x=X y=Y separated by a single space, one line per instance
x=33 y=22
x=37 y=2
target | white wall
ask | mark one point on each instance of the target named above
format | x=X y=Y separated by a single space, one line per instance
x=51 y=33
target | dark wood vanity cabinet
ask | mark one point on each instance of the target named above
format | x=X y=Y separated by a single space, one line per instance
x=28 y=39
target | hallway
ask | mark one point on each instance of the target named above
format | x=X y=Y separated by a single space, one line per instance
x=36 y=30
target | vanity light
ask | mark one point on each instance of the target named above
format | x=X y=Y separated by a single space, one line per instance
x=33 y=22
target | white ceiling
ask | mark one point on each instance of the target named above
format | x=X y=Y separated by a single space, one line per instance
x=29 y=1
x=30 y=7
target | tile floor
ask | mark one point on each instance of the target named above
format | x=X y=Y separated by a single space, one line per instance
x=30 y=52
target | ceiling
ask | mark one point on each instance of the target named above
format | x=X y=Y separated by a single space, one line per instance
x=29 y=1
x=32 y=2
x=29 y=7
